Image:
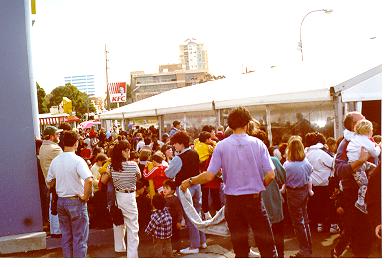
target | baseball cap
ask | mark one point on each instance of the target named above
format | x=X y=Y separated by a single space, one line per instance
x=51 y=130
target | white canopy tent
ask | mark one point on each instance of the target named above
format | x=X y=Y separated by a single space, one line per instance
x=367 y=90
x=271 y=86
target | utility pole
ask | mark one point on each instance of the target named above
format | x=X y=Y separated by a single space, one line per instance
x=107 y=80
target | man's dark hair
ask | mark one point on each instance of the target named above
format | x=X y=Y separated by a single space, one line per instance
x=171 y=184
x=65 y=126
x=70 y=138
x=157 y=158
x=176 y=123
x=158 y=202
x=203 y=136
x=238 y=118
x=134 y=155
x=208 y=128
x=180 y=138
x=147 y=141
x=101 y=157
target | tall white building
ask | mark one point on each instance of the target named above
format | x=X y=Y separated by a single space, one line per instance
x=193 y=55
x=84 y=83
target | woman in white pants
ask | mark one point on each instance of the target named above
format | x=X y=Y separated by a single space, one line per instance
x=124 y=174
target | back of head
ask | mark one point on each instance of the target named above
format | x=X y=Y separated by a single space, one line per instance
x=238 y=118
x=101 y=157
x=70 y=138
x=157 y=157
x=320 y=138
x=134 y=155
x=203 y=136
x=145 y=154
x=363 y=127
x=147 y=141
x=208 y=128
x=158 y=202
x=180 y=138
x=65 y=126
x=295 y=149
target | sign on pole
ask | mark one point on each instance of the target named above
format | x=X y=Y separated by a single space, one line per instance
x=117 y=92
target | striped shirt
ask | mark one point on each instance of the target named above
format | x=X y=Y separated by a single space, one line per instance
x=126 y=179
x=160 y=225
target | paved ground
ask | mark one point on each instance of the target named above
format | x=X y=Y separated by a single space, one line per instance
x=101 y=246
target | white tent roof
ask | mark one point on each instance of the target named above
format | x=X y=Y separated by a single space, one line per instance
x=368 y=88
x=271 y=86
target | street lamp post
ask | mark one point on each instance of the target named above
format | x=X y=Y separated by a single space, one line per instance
x=327 y=11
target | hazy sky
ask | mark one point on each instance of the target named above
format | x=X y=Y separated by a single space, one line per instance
x=68 y=37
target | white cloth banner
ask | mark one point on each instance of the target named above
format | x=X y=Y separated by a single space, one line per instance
x=217 y=225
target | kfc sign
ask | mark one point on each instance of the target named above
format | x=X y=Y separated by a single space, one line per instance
x=117 y=92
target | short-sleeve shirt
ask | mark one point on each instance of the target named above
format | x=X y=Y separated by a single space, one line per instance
x=126 y=179
x=244 y=161
x=297 y=173
x=70 y=172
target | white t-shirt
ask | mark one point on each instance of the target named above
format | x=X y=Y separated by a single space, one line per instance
x=70 y=171
x=356 y=142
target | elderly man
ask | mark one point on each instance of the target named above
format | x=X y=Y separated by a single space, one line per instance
x=48 y=151
x=247 y=169
x=356 y=224
x=72 y=178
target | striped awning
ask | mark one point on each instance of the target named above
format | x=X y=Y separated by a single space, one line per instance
x=48 y=119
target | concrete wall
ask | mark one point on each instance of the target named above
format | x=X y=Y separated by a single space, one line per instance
x=19 y=191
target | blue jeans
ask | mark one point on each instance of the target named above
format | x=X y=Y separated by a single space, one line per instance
x=74 y=225
x=297 y=205
x=196 y=237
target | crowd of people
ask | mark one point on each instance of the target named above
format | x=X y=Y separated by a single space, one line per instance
x=133 y=181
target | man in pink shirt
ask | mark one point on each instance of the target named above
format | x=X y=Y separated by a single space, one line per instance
x=247 y=169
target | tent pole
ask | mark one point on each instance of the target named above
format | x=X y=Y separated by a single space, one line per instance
x=268 y=122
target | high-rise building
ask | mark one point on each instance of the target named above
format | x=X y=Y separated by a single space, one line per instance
x=84 y=83
x=193 y=55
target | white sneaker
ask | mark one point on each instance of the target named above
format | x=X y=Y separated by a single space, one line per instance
x=253 y=254
x=189 y=250
x=204 y=245
x=319 y=228
x=334 y=229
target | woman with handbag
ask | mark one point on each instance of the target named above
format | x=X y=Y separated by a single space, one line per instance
x=124 y=174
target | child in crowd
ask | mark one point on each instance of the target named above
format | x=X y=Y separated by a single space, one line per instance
x=357 y=140
x=134 y=156
x=97 y=204
x=298 y=171
x=144 y=208
x=157 y=172
x=160 y=227
x=176 y=211
x=204 y=146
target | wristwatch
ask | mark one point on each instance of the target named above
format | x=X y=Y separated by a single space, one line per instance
x=190 y=181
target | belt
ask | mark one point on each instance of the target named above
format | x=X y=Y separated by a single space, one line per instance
x=126 y=190
x=297 y=188
x=256 y=195
x=73 y=197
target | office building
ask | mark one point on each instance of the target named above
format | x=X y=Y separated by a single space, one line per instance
x=84 y=83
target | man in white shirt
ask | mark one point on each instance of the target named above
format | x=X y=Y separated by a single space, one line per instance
x=73 y=181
